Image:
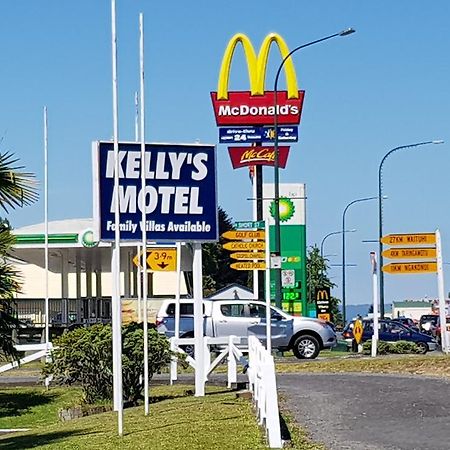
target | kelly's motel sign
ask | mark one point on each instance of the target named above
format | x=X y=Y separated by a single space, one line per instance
x=180 y=196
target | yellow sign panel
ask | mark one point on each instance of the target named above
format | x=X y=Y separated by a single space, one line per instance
x=325 y=316
x=410 y=253
x=244 y=234
x=409 y=239
x=248 y=255
x=240 y=245
x=159 y=260
x=410 y=267
x=248 y=265
x=358 y=331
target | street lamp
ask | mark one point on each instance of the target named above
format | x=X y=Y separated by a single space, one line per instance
x=276 y=159
x=364 y=199
x=380 y=212
x=331 y=234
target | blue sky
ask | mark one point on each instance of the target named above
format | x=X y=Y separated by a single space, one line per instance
x=385 y=86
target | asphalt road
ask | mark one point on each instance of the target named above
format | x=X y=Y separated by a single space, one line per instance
x=370 y=412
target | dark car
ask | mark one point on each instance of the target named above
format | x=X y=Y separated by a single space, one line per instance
x=391 y=331
x=407 y=322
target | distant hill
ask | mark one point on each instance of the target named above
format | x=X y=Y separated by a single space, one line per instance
x=362 y=310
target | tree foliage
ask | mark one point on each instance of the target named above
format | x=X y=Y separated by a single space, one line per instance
x=317 y=276
x=216 y=261
x=84 y=356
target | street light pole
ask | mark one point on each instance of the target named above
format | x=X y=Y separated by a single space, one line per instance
x=364 y=199
x=276 y=159
x=380 y=212
x=331 y=234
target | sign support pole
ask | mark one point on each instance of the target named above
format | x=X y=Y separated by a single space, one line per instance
x=441 y=292
x=115 y=258
x=198 y=320
x=373 y=259
x=255 y=218
x=173 y=366
x=268 y=315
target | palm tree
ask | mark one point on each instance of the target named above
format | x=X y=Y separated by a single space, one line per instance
x=17 y=189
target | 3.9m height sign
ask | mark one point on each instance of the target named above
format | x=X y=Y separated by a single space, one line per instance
x=180 y=197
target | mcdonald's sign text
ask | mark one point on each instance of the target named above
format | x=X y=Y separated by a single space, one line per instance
x=242 y=108
x=322 y=296
x=259 y=155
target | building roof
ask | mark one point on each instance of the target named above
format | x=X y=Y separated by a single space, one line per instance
x=412 y=304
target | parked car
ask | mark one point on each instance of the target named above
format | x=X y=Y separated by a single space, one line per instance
x=391 y=331
x=303 y=335
x=407 y=322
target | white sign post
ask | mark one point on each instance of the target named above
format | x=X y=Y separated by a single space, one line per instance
x=373 y=260
x=267 y=274
x=198 y=321
x=441 y=292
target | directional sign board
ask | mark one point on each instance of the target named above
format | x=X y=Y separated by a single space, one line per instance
x=240 y=245
x=249 y=224
x=410 y=268
x=358 y=331
x=248 y=265
x=244 y=234
x=410 y=253
x=248 y=255
x=159 y=260
x=409 y=239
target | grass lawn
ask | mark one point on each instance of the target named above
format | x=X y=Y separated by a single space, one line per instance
x=176 y=421
x=429 y=365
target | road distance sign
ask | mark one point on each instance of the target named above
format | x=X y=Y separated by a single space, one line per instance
x=159 y=260
x=410 y=253
x=247 y=234
x=248 y=255
x=248 y=265
x=410 y=268
x=240 y=245
x=409 y=239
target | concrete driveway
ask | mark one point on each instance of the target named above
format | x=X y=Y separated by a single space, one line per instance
x=362 y=411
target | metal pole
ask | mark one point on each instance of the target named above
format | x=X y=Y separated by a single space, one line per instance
x=373 y=259
x=47 y=333
x=441 y=292
x=255 y=217
x=144 y=215
x=115 y=269
x=277 y=250
x=198 y=321
x=380 y=212
x=267 y=278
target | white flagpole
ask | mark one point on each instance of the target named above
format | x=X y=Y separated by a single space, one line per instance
x=115 y=260
x=255 y=217
x=144 y=215
x=139 y=269
x=47 y=333
x=373 y=259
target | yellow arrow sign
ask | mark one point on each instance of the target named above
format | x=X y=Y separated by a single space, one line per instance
x=410 y=267
x=239 y=245
x=410 y=253
x=159 y=260
x=244 y=234
x=358 y=331
x=409 y=239
x=248 y=255
x=248 y=266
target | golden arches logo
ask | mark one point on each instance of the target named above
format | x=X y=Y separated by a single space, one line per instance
x=256 y=65
x=322 y=294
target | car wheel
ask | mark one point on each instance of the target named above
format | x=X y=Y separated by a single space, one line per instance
x=422 y=347
x=306 y=347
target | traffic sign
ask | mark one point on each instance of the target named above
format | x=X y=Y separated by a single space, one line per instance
x=248 y=255
x=159 y=260
x=409 y=239
x=244 y=234
x=410 y=253
x=241 y=245
x=358 y=331
x=410 y=267
x=248 y=265
x=249 y=224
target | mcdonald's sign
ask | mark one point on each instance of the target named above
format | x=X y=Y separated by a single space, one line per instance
x=322 y=296
x=257 y=106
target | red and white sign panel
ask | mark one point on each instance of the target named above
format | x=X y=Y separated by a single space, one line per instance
x=241 y=108
x=258 y=156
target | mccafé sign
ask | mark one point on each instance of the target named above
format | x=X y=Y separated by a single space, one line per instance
x=257 y=106
x=254 y=156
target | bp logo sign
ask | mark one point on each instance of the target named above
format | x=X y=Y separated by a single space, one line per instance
x=287 y=209
x=87 y=239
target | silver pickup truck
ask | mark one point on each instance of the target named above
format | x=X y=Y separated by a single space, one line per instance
x=303 y=335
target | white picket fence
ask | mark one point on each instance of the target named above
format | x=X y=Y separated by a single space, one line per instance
x=40 y=350
x=263 y=385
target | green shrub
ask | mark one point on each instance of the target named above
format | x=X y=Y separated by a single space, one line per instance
x=84 y=356
x=384 y=348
